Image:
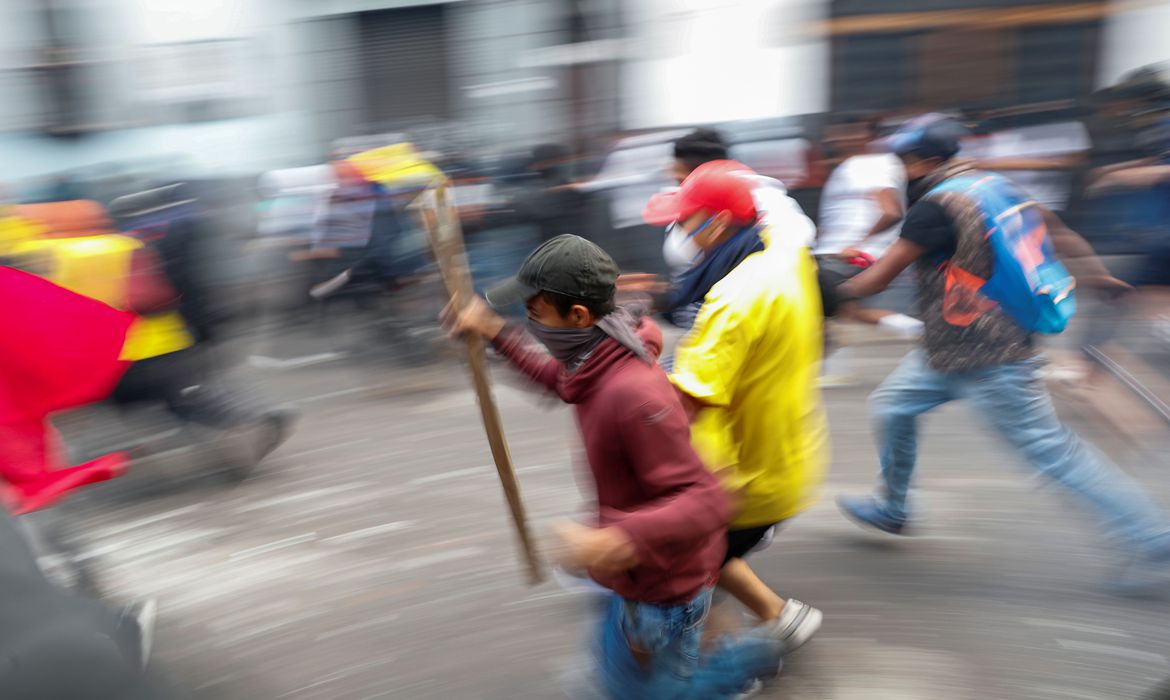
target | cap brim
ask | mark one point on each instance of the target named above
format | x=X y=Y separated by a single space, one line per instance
x=664 y=208
x=509 y=293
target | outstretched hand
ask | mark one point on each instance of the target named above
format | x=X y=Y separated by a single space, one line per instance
x=474 y=318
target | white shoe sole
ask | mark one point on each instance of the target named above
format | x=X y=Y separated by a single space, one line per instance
x=792 y=638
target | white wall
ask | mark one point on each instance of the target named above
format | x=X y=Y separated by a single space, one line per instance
x=230 y=147
x=1134 y=38
x=712 y=60
x=272 y=139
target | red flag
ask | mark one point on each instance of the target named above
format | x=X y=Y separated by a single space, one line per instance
x=58 y=350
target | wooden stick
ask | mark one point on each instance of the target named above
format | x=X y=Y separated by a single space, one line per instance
x=446 y=237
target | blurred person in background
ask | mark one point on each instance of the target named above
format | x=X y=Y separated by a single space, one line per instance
x=379 y=261
x=746 y=373
x=661 y=522
x=1038 y=146
x=155 y=264
x=173 y=347
x=864 y=198
x=56 y=646
x=342 y=234
x=862 y=204
x=681 y=298
x=1117 y=124
x=1116 y=203
x=60 y=350
x=776 y=209
x=1150 y=272
x=550 y=201
x=992 y=360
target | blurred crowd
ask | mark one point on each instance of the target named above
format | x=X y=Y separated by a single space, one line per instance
x=191 y=267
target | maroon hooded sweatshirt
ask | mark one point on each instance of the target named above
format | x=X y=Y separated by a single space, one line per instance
x=650 y=483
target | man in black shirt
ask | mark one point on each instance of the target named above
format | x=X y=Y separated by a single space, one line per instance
x=991 y=360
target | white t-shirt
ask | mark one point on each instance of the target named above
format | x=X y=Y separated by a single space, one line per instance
x=848 y=208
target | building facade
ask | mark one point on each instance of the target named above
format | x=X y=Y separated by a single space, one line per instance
x=246 y=85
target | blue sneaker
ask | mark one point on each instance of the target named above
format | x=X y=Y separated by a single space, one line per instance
x=1145 y=576
x=866 y=511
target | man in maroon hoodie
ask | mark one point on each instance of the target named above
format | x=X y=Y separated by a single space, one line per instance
x=659 y=538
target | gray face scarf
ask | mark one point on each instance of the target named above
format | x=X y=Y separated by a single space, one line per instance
x=572 y=346
x=569 y=345
x=622 y=326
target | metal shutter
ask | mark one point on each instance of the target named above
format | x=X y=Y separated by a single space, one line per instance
x=404 y=60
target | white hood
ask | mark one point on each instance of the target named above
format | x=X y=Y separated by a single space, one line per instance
x=781 y=213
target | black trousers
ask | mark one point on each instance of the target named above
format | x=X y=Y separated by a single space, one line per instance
x=190 y=385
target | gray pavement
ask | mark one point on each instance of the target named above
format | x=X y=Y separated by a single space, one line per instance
x=372 y=557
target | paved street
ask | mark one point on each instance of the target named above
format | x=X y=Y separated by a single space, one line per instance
x=372 y=557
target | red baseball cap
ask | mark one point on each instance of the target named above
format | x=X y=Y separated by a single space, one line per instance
x=719 y=185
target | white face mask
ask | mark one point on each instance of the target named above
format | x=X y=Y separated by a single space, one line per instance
x=679 y=250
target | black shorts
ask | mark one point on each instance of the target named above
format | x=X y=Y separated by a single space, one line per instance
x=740 y=542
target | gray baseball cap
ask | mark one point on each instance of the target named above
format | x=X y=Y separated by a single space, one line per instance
x=929 y=135
x=568 y=265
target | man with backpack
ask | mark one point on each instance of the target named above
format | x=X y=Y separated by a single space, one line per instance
x=983 y=293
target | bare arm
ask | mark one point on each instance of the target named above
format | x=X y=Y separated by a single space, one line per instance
x=1135 y=178
x=1054 y=163
x=879 y=276
x=891 y=211
x=1076 y=252
x=1098 y=173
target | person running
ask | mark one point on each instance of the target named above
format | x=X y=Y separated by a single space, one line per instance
x=860 y=210
x=1149 y=273
x=60 y=350
x=861 y=206
x=680 y=300
x=746 y=373
x=992 y=361
x=661 y=518
x=864 y=198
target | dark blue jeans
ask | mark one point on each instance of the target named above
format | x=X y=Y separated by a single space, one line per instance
x=669 y=665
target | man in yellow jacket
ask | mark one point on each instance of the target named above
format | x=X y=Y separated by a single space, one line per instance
x=747 y=372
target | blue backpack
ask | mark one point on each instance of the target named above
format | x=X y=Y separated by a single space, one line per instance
x=1027 y=281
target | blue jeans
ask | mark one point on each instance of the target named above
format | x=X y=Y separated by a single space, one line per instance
x=1013 y=398
x=667 y=638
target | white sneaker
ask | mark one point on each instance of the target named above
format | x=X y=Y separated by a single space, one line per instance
x=137 y=622
x=903 y=325
x=797 y=623
x=756 y=687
